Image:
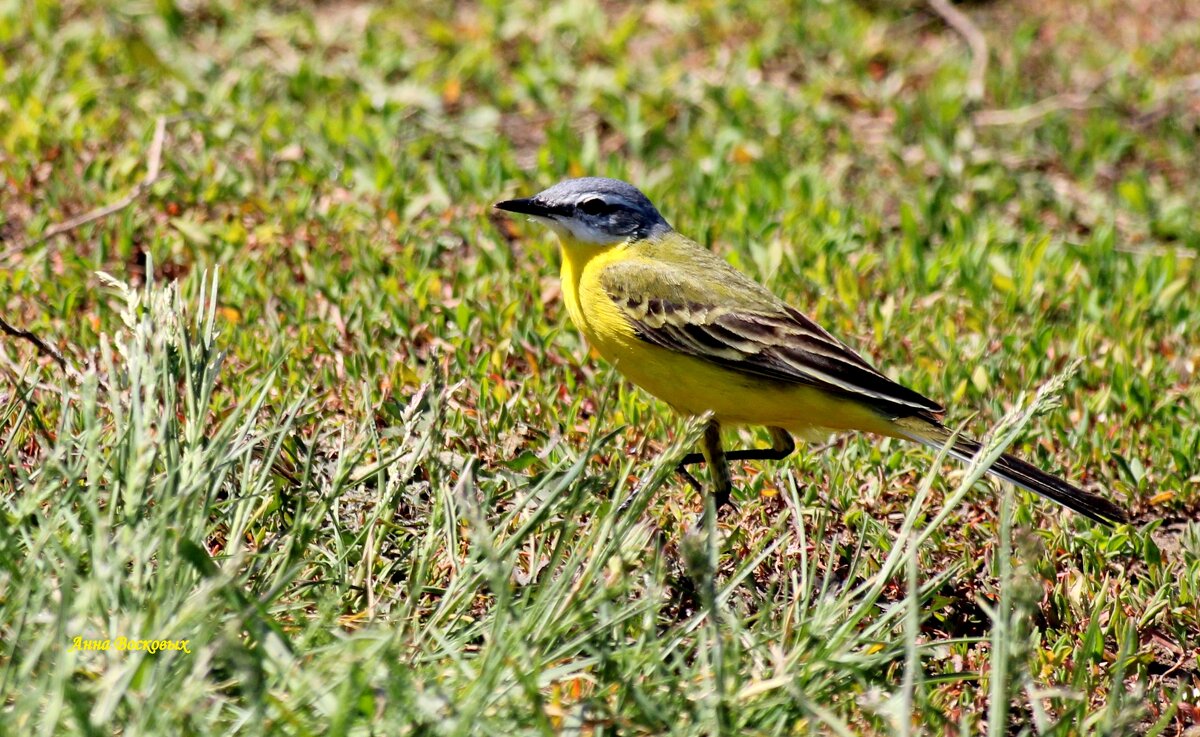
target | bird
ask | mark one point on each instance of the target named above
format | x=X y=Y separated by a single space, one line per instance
x=683 y=324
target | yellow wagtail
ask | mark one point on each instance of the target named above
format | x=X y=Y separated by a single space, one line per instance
x=690 y=329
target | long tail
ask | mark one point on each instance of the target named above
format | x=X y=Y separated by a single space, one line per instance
x=1014 y=470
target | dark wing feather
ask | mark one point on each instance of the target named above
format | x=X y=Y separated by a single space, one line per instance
x=757 y=335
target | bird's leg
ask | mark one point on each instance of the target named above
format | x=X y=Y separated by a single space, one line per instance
x=713 y=454
x=718 y=467
x=782 y=446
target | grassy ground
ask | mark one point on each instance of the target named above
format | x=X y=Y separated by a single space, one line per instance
x=326 y=420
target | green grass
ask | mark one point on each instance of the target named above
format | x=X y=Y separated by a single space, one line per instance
x=327 y=421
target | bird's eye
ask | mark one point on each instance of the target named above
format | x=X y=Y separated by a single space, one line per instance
x=594 y=206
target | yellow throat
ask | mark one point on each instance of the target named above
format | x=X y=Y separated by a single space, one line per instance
x=580 y=264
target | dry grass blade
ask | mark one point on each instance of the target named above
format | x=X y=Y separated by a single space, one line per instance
x=970 y=32
x=1036 y=111
x=153 y=173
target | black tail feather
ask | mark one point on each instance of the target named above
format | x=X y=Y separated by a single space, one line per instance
x=1016 y=471
x=1031 y=478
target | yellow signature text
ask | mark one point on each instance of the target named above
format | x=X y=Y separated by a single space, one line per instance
x=128 y=644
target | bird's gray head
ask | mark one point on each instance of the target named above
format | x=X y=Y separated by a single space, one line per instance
x=593 y=210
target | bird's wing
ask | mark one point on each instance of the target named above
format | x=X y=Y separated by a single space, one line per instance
x=734 y=322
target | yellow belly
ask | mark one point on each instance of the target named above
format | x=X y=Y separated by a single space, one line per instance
x=689 y=384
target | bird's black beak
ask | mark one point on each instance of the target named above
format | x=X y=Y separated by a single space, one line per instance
x=527 y=206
